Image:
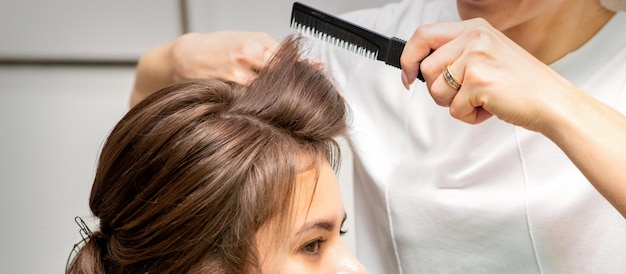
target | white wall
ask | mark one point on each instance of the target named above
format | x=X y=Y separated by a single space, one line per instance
x=52 y=123
x=54 y=118
x=85 y=29
x=269 y=16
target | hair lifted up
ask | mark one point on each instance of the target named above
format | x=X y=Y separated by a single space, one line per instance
x=189 y=175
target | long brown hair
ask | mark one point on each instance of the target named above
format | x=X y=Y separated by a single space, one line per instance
x=190 y=174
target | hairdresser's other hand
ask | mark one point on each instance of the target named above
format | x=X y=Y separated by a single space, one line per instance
x=229 y=56
x=498 y=76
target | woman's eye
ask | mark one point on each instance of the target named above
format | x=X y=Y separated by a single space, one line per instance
x=343 y=231
x=312 y=248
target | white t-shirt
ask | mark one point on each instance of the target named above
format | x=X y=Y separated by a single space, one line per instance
x=435 y=195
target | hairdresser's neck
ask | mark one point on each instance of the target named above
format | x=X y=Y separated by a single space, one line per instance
x=556 y=33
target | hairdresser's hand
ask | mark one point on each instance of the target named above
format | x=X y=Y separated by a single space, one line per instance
x=229 y=56
x=498 y=77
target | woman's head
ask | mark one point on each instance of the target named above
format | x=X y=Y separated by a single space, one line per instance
x=203 y=176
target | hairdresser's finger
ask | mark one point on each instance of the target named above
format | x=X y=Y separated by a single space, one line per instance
x=442 y=90
x=425 y=39
x=243 y=76
x=448 y=57
x=264 y=50
x=318 y=64
x=467 y=107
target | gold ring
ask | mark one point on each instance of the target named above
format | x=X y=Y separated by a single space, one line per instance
x=450 y=78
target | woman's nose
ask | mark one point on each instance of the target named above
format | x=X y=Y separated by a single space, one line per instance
x=347 y=263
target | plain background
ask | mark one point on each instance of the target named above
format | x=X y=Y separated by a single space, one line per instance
x=66 y=70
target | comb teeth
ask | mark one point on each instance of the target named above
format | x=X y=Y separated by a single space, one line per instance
x=346 y=35
x=330 y=34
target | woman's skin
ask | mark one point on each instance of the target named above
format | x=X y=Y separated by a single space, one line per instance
x=315 y=244
x=548 y=29
x=503 y=71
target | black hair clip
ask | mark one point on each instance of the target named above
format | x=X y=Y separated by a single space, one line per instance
x=85 y=234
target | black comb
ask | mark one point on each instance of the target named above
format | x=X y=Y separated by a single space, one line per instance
x=346 y=35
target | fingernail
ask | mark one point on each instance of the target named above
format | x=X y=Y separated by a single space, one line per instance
x=405 y=81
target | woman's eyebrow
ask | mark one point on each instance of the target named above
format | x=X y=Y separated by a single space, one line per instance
x=327 y=225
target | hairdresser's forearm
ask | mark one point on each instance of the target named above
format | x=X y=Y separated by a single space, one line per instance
x=593 y=135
